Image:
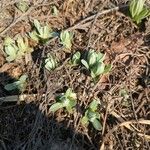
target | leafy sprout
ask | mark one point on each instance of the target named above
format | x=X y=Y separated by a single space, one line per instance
x=66 y=39
x=10 y=49
x=20 y=84
x=94 y=63
x=50 y=62
x=65 y=100
x=138 y=10
x=76 y=58
x=16 y=49
x=23 y=46
x=92 y=116
x=41 y=33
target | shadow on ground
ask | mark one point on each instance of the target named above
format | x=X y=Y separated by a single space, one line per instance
x=26 y=126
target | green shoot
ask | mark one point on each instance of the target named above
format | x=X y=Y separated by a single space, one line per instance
x=65 y=100
x=50 y=62
x=16 y=49
x=66 y=39
x=75 y=60
x=20 y=84
x=94 y=63
x=92 y=115
x=138 y=10
x=10 y=49
x=23 y=46
x=42 y=34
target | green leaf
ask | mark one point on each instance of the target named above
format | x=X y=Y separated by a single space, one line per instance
x=144 y=13
x=76 y=58
x=72 y=102
x=138 y=10
x=11 y=86
x=50 y=63
x=33 y=35
x=69 y=108
x=92 y=56
x=65 y=101
x=85 y=120
x=20 y=84
x=98 y=69
x=107 y=68
x=132 y=7
x=23 y=78
x=91 y=115
x=94 y=104
x=85 y=63
x=11 y=51
x=136 y=7
x=69 y=93
x=66 y=39
x=43 y=34
x=140 y=6
x=8 y=41
x=100 y=57
x=37 y=25
x=56 y=106
x=22 y=5
x=97 y=125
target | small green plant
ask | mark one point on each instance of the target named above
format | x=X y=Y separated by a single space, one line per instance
x=66 y=39
x=23 y=46
x=10 y=49
x=41 y=34
x=138 y=10
x=65 y=100
x=22 y=5
x=16 y=49
x=75 y=60
x=95 y=64
x=50 y=62
x=92 y=115
x=20 y=84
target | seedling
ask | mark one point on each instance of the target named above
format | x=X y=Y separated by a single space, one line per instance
x=16 y=49
x=65 y=100
x=138 y=10
x=66 y=39
x=42 y=34
x=20 y=84
x=92 y=115
x=94 y=63
x=22 y=5
x=50 y=62
x=76 y=58
x=23 y=46
x=10 y=49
